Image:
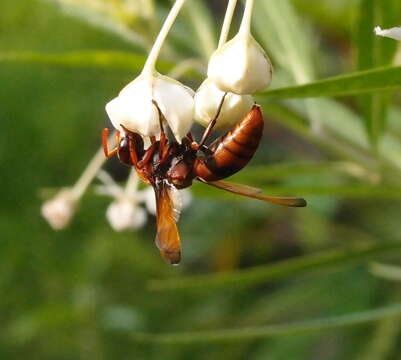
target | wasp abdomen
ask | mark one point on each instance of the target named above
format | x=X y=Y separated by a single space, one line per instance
x=234 y=150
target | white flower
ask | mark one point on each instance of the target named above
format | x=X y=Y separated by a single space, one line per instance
x=133 y=107
x=240 y=66
x=59 y=210
x=207 y=101
x=393 y=33
x=124 y=214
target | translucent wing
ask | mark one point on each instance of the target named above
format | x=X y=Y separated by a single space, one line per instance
x=167 y=238
x=254 y=193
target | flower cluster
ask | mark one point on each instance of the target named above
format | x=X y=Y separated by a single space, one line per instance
x=237 y=69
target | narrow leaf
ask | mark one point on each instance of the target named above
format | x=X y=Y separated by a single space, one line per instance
x=104 y=59
x=263 y=332
x=362 y=82
x=373 y=52
x=279 y=270
x=389 y=272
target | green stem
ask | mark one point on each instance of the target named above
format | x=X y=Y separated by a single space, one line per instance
x=150 y=65
x=91 y=170
x=245 y=27
x=227 y=22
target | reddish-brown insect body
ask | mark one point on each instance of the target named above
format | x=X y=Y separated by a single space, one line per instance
x=231 y=152
x=168 y=165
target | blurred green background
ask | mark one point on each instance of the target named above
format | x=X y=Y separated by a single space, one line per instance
x=321 y=282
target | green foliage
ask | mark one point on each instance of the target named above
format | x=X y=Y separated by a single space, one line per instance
x=257 y=281
x=370 y=81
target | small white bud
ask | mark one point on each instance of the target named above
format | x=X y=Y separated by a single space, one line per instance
x=133 y=107
x=124 y=214
x=393 y=33
x=59 y=210
x=207 y=101
x=240 y=66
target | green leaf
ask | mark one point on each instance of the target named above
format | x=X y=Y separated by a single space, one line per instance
x=290 y=43
x=113 y=60
x=263 y=173
x=362 y=82
x=279 y=270
x=105 y=59
x=263 y=332
x=374 y=51
x=203 y=24
x=389 y=272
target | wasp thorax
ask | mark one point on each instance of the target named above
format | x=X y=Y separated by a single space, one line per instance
x=180 y=173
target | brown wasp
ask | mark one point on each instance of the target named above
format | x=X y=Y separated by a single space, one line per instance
x=168 y=165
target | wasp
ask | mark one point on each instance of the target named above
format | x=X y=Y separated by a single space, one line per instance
x=167 y=165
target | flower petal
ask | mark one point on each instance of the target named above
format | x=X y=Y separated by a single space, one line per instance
x=207 y=101
x=240 y=66
x=125 y=215
x=133 y=108
x=176 y=103
x=59 y=210
x=393 y=33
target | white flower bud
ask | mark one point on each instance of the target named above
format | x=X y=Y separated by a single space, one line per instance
x=207 y=101
x=124 y=214
x=240 y=66
x=133 y=107
x=59 y=210
x=393 y=33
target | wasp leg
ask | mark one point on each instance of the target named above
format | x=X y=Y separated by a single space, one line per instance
x=212 y=123
x=132 y=152
x=190 y=137
x=147 y=156
x=163 y=142
x=105 y=136
x=131 y=146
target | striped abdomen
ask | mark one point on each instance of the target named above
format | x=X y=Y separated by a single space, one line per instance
x=233 y=150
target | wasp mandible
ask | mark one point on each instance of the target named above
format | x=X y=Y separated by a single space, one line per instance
x=167 y=166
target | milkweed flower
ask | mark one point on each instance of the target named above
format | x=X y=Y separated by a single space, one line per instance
x=134 y=107
x=211 y=100
x=393 y=33
x=207 y=102
x=124 y=214
x=241 y=66
x=59 y=210
x=125 y=211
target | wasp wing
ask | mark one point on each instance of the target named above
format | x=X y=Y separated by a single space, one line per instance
x=254 y=193
x=232 y=187
x=167 y=238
